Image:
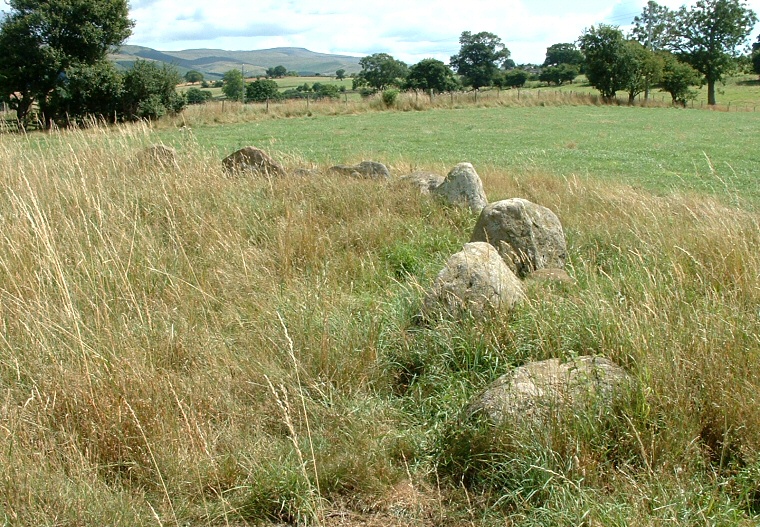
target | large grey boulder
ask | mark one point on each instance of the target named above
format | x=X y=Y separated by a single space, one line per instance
x=528 y=236
x=541 y=390
x=254 y=161
x=462 y=186
x=365 y=169
x=475 y=280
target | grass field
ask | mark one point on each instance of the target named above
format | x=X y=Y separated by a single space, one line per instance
x=181 y=347
x=662 y=150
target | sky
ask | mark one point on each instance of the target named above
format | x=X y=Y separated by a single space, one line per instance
x=409 y=30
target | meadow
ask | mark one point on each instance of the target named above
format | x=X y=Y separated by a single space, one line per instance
x=181 y=347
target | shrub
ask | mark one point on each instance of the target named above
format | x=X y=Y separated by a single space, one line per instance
x=390 y=96
x=197 y=96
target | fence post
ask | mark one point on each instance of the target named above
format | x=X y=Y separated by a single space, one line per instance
x=267 y=110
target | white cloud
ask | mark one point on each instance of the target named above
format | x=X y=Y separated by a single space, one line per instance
x=408 y=30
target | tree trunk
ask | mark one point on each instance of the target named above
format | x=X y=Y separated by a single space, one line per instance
x=711 y=92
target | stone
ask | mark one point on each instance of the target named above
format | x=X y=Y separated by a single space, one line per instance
x=365 y=169
x=462 y=186
x=475 y=280
x=253 y=160
x=162 y=155
x=528 y=236
x=425 y=181
x=540 y=390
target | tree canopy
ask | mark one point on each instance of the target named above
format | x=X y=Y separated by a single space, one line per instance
x=479 y=59
x=708 y=36
x=608 y=59
x=380 y=71
x=234 y=85
x=431 y=76
x=563 y=53
x=193 y=76
x=41 y=40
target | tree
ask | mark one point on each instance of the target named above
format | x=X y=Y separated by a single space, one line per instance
x=756 y=56
x=515 y=78
x=197 y=96
x=379 y=71
x=234 y=85
x=41 y=39
x=709 y=35
x=277 y=72
x=262 y=90
x=479 y=59
x=431 y=76
x=608 y=62
x=559 y=74
x=645 y=69
x=193 y=77
x=566 y=53
x=340 y=74
x=89 y=90
x=652 y=28
x=678 y=78
x=150 y=91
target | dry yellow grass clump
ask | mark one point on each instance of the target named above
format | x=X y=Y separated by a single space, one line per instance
x=182 y=347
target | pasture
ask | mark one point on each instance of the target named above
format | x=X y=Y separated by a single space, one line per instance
x=181 y=347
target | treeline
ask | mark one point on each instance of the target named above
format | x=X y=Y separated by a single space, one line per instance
x=671 y=50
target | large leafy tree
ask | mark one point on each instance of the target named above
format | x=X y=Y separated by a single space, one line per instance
x=431 y=76
x=262 y=90
x=645 y=69
x=709 y=36
x=652 y=28
x=150 y=91
x=234 y=85
x=380 y=71
x=608 y=60
x=40 y=40
x=678 y=78
x=563 y=53
x=479 y=59
x=756 y=56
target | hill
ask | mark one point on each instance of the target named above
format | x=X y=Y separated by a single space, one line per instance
x=215 y=62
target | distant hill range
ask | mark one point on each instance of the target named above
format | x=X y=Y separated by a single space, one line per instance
x=213 y=63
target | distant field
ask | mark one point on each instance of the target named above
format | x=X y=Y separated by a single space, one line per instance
x=659 y=149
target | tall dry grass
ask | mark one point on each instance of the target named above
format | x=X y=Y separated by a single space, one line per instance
x=227 y=112
x=182 y=347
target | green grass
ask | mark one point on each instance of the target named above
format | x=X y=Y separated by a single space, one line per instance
x=662 y=150
x=181 y=347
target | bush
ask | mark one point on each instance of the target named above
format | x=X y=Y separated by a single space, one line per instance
x=390 y=96
x=197 y=96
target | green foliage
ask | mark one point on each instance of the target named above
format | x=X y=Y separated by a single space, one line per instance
x=340 y=74
x=515 y=78
x=479 y=59
x=564 y=53
x=708 y=37
x=608 y=61
x=277 y=72
x=653 y=27
x=234 y=85
x=262 y=90
x=559 y=74
x=89 y=90
x=193 y=77
x=645 y=69
x=197 y=96
x=678 y=78
x=41 y=41
x=431 y=76
x=380 y=71
x=390 y=96
x=150 y=91
x=326 y=91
